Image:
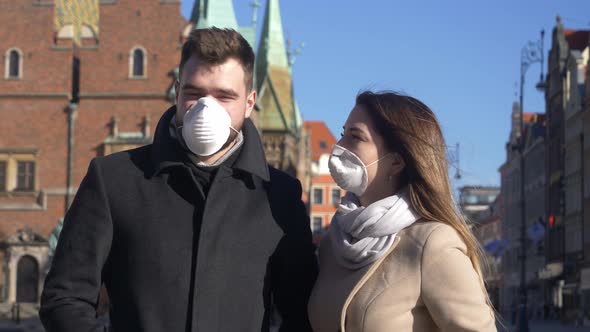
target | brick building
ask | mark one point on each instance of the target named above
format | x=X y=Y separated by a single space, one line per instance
x=324 y=193
x=128 y=64
x=126 y=75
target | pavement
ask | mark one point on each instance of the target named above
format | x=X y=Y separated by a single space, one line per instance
x=33 y=324
x=548 y=326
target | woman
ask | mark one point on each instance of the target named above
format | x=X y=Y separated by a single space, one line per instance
x=398 y=255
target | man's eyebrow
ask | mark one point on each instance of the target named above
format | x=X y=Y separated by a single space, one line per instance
x=227 y=92
x=189 y=86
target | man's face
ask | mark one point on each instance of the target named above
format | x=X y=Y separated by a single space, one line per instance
x=224 y=82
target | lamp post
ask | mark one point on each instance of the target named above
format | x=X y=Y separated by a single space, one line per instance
x=531 y=53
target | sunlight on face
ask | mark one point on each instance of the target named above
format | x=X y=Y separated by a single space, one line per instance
x=224 y=82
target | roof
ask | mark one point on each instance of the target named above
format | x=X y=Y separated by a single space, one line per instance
x=221 y=14
x=279 y=111
x=271 y=49
x=320 y=138
x=528 y=117
x=577 y=39
x=535 y=123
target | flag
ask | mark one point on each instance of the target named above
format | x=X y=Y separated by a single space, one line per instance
x=77 y=13
x=496 y=248
x=536 y=232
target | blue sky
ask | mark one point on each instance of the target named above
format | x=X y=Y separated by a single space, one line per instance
x=462 y=58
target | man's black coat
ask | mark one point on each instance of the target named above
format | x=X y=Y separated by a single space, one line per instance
x=175 y=257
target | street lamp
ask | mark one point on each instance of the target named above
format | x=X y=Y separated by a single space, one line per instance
x=531 y=53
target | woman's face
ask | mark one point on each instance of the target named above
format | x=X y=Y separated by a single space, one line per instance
x=361 y=137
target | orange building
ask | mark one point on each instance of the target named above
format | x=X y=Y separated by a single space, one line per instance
x=324 y=193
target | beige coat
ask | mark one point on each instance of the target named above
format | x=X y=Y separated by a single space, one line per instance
x=425 y=282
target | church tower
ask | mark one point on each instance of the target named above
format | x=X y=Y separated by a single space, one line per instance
x=279 y=120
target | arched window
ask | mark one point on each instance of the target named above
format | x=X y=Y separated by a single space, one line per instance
x=137 y=62
x=14 y=64
x=27 y=280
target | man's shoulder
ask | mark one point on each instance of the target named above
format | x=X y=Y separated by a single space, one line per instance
x=119 y=162
x=278 y=176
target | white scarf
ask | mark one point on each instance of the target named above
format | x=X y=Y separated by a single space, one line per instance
x=361 y=235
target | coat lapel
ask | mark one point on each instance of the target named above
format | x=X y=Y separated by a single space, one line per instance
x=362 y=281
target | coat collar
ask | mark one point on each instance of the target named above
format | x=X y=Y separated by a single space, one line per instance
x=166 y=152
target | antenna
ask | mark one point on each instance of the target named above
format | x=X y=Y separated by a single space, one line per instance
x=454 y=160
x=255 y=4
x=458 y=168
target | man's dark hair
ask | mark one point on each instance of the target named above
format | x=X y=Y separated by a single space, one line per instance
x=214 y=46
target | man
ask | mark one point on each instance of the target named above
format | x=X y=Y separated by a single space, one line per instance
x=193 y=232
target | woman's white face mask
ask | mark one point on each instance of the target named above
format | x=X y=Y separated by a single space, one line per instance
x=348 y=170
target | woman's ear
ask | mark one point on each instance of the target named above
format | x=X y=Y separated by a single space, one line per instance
x=397 y=164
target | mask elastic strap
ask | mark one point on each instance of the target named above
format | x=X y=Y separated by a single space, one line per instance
x=376 y=161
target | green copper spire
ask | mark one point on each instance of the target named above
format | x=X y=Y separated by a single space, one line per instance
x=279 y=111
x=271 y=50
x=221 y=14
x=218 y=13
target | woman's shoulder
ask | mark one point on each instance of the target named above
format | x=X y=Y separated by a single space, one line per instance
x=433 y=235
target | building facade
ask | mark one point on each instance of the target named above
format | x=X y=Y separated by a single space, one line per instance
x=488 y=231
x=128 y=66
x=279 y=121
x=475 y=201
x=324 y=193
x=565 y=95
x=513 y=185
x=126 y=75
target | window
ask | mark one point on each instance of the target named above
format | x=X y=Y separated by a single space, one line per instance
x=25 y=176
x=2 y=175
x=317 y=224
x=336 y=196
x=469 y=199
x=18 y=170
x=13 y=64
x=323 y=145
x=318 y=194
x=137 y=63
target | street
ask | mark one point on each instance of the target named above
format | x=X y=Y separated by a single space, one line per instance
x=548 y=326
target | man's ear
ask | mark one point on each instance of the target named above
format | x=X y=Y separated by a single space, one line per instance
x=250 y=102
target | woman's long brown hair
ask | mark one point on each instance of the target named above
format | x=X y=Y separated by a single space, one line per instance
x=411 y=129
